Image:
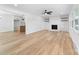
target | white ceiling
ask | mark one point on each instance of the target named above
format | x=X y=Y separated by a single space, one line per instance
x=37 y=9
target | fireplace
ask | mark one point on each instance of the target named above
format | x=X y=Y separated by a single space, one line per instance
x=54 y=27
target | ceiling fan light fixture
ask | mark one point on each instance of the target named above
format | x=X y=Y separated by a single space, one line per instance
x=47 y=12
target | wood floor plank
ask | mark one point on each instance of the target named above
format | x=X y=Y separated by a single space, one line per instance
x=39 y=43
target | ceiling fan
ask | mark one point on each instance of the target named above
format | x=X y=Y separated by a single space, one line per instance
x=48 y=12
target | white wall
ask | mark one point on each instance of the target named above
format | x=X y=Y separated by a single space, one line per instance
x=62 y=25
x=6 y=23
x=33 y=23
x=54 y=21
x=73 y=33
x=75 y=39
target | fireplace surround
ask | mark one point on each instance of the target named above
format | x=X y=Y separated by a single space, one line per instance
x=54 y=27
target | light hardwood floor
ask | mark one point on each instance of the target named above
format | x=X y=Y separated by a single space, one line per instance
x=39 y=43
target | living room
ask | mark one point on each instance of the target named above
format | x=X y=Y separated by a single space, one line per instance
x=39 y=29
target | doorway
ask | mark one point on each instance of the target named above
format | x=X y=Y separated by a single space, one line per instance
x=19 y=24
